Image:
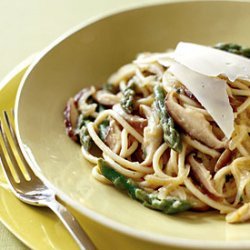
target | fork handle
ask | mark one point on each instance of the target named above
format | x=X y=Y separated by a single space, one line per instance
x=72 y=225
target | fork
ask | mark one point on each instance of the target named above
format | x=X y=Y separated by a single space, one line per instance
x=28 y=187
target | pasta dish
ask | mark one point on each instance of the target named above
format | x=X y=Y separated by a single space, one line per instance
x=172 y=129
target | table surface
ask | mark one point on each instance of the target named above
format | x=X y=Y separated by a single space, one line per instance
x=28 y=26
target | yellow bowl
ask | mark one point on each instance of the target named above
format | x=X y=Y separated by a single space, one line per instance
x=87 y=56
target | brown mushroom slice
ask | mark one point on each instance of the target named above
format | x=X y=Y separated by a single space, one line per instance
x=193 y=122
x=152 y=134
x=224 y=158
x=202 y=175
x=113 y=138
x=70 y=119
x=235 y=103
x=137 y=122
x=106 y=98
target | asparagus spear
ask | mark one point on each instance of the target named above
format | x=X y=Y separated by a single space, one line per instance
x=170 y=133
x=127 y=101
x=170 y=205
x=83 y=133
x=234 y=48
x=103 y=129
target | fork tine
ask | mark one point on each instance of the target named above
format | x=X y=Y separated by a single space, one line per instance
x=4 y=162
x=19 y=151
x=11 y=155
x=6 y=169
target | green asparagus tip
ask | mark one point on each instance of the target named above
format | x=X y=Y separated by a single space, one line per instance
x=170 y=133
x=170 y=205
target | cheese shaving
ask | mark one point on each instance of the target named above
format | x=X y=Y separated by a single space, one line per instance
x=211 y=93
x=212 y=62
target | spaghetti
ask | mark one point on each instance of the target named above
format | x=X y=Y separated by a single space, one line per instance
x=151 y=129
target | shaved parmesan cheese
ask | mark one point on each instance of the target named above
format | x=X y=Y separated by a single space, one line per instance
x=146 y=58
x=211 y=93
x=212 y=62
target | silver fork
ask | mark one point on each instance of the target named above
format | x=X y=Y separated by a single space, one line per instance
x=30 y=189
